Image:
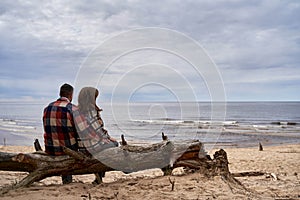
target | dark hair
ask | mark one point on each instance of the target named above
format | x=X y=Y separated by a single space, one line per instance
x=87 y=99
x=66 y=90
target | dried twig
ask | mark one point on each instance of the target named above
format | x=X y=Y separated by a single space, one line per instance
x=116 y=195
x=37 y=145
x=123 y=140
x=172 y=183
x=260 y=147
x=164 y=137
x=242 y=174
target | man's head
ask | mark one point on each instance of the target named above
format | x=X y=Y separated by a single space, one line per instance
x=66 y=90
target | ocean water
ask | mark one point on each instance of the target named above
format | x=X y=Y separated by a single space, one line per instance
x=243 y=124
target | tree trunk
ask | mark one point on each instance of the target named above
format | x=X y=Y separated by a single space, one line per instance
x=126 y=158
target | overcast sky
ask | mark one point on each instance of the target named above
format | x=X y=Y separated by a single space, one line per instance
x=254 y=44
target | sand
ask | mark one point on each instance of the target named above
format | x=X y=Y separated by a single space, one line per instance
x=281 y=161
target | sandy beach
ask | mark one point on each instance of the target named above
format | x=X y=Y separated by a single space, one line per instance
x=281 y=181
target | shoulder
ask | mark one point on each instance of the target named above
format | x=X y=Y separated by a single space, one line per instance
x=58 y=103
x=74 y=107
x=50 y=105
x=75 y=110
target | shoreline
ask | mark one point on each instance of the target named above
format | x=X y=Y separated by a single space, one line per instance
x=211 y=146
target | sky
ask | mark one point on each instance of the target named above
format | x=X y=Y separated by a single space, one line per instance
x=255 y=46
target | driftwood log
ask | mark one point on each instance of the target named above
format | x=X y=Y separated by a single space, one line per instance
x=128 y=158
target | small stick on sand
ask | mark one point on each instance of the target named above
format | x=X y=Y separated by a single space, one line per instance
x=116 y=195
x=172 y=183
x=37 y=145
x=164 y=137
x=260 y=147
x=123 y=143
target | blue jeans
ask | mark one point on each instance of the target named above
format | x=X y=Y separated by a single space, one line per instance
x=66 y=179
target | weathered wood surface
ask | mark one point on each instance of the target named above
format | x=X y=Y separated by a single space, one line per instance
x=128 y=158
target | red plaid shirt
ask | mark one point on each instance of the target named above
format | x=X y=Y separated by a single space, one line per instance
x=92 y=135
x=59 y=127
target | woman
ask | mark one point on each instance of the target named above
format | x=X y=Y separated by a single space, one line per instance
x=93 y=138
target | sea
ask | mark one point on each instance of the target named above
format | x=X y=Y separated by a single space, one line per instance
x=233 y=124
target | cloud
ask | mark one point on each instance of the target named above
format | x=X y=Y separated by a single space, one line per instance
x=254 y=43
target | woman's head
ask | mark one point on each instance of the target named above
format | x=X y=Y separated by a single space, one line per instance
x=87 y=98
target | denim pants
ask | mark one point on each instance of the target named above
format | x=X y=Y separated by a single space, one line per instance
x=66 y=179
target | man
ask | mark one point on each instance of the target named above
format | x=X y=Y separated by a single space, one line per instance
x=59 y=126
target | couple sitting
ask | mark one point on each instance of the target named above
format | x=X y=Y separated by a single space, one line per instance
x=79 y=128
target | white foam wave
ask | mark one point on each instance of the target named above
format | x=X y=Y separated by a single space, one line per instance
x=187 y=122
x=15 y=125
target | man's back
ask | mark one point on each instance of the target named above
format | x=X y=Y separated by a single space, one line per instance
x=59 y=127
